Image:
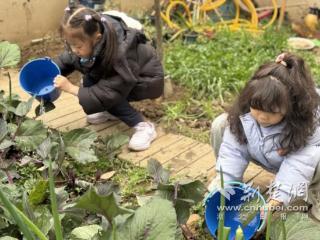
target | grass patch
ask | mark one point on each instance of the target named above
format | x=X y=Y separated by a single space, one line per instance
x=132 y=180
x=191 y=117
x=213 y=68
x=214 y=71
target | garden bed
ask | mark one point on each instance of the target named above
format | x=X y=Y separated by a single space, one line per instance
x=206 y=77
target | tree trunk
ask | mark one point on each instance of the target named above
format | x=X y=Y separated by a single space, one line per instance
x=168 y=90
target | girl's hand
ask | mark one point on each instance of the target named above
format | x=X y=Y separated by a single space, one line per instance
x=270 y=206
x=63 y=84
x=266 y=210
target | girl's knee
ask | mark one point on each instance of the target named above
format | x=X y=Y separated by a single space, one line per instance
x=219 y=123
x=216 y=133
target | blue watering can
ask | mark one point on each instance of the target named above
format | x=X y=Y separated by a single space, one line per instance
x=232 y=219
x=36 y=78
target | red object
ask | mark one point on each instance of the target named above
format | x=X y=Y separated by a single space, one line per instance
x=265 y=14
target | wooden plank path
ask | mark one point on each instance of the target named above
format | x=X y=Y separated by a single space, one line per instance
x=184 y=156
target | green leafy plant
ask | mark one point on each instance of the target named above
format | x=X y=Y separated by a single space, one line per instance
x=15 y=214
x=17 y=132
x=48 y=152
x=27 y=134
x=183 y=194
x=21 y=135
x=78 y=144
x=221 y=66
x=296 y=225
x=106 y=204
x=45 y=150
x=156 y=219
x=38 y=193
x=223 y=232
x=87 y=232
x=9 y=54
x=269 y=218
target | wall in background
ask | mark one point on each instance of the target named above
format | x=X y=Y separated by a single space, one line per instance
x=129 y=6
x=24 y=20
x=296 y=9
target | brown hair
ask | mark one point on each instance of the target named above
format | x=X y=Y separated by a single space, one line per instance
x=77 y=17
x=286 y=86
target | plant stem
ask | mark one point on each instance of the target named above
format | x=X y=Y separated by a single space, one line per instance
x=10 y=207
x=53 y=199
x=175 y=196
x=158 y=29
x=221 y=213
x=20 y=121
x=269 y=214
x=283 y=229
x=10 y=87
x=10 y=180
x=31 y=225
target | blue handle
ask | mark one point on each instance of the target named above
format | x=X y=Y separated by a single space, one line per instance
x=215 y=190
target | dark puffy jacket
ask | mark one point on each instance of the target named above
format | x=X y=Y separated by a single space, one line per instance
x=136 y=74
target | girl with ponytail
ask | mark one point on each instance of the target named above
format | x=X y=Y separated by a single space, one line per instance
x=274 y=122
x=118 y=66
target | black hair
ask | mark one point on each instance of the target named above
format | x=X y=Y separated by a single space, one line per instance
x=285 y=86
x=77 y=17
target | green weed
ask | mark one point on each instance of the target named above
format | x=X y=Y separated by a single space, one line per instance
x=213 y=68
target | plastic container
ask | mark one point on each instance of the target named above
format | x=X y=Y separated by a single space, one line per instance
x=231 y=219
x=36 y=78
x=97 y=5
x=190 y=37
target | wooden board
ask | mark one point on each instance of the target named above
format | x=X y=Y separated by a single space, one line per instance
x=251 y=172
x=119 y=127
x=160 y=144
x=169 y=154
x=66 y=119
x=198 y=168
x=186 y=158
x=263 y=180
x=80 y=123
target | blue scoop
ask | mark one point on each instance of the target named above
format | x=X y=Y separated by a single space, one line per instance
x=36 y=78
x=212 y=206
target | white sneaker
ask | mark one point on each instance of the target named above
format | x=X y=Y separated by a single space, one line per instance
x=145 y=133
x=100 y=117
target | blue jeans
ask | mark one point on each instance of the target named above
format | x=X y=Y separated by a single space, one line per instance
x=123 y=110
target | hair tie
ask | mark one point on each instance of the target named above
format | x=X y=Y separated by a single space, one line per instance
x=103 y=19
x=67 y=9
x=283 y=63
x=280 y=59
x=87 y=17
x=274 y=78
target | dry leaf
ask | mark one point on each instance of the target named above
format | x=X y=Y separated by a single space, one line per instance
x=108 y=175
